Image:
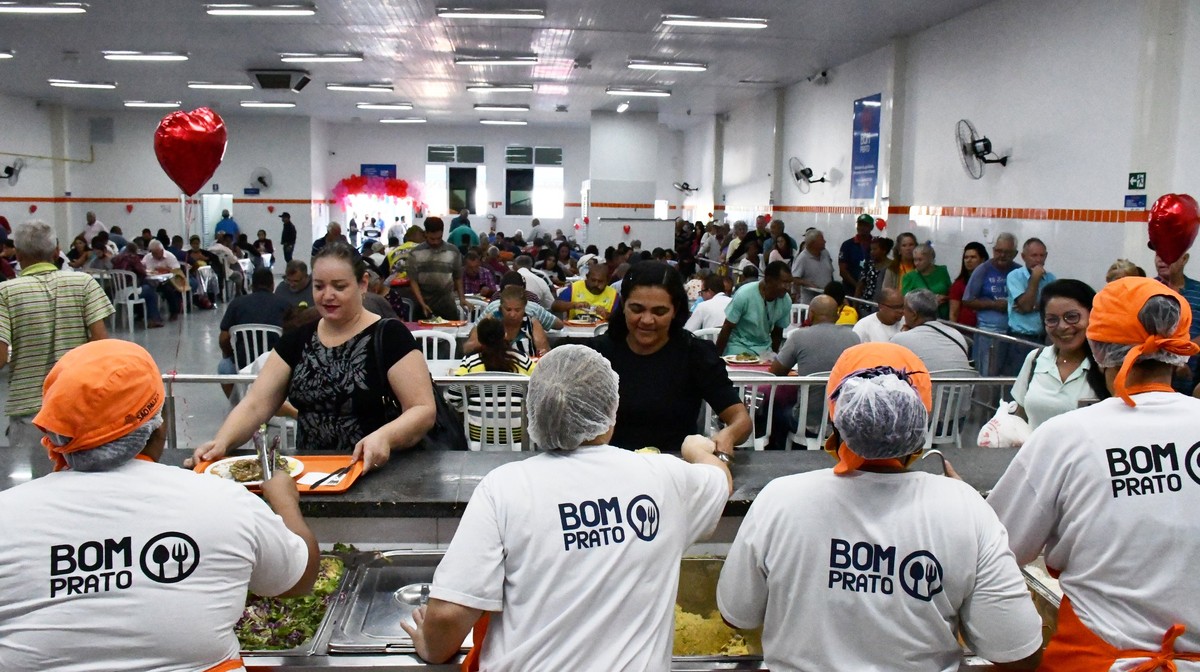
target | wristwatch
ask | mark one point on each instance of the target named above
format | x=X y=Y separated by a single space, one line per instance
x=723 y=457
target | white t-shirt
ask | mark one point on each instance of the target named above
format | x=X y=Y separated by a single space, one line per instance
x=579 y=553
x=709 y=314
x=1049 y=395
x=838 y=571
x=871 y=330
x=534 y=283
x=154 y=266
x=142 y=568
x=1111 y=493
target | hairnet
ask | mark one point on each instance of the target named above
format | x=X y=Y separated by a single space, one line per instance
x=1159 y=316
x=109 y=456
x=881 y=417
x=572 y=398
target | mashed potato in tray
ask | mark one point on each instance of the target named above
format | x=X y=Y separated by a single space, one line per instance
x=697 y=635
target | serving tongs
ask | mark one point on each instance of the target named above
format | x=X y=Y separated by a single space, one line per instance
x=267 y=455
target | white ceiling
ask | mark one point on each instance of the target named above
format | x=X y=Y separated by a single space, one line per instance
x=404 y=42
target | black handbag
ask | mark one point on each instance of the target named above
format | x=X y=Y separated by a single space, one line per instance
x=447 y=431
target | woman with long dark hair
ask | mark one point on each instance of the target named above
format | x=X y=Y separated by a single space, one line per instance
x=973 y=255
x=666 y=372
x=1064 y=375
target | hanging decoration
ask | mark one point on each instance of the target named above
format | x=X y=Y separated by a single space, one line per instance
x=271 y=209
x=880 y=223
x=379 y=187
x=32 y=209
x=1174 y=222
x=129 y=208
x=190 y=146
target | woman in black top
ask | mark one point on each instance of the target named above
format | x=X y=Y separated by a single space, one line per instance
x=329 y=371
x=665 y=371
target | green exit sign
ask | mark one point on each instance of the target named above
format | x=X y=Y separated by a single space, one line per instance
x=1137 y=180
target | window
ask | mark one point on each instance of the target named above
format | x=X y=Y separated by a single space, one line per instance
x=518 y=191
x=548 y=192
x=533 y=156
x=462 y=189
x=521 y=156
x=547 y=156
x=454 y=154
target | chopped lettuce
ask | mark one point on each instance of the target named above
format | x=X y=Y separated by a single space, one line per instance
x=274 y=623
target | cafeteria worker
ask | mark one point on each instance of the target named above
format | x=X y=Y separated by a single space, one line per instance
x=1110 y=493
x=115 y=562
x=896 y=564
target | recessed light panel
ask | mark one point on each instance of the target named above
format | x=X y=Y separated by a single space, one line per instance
x=72 y=84
x=675 y=66
x=266 y=104
x=496 y=60
x=713 y=22
x=160 y=56
x=634 y=91
x=502 y=122
x=403 y=120
x=499 y=88
x=495 y=14
x=215 y=86
x=247 y=9
x=321 y=58
x=384 y=106
x=501 y=108
x=165 y=104
x=381 y=87
x=42 y=8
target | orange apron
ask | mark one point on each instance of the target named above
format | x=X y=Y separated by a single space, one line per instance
x=227 y=666
x=1075 y=648
x=471 y=662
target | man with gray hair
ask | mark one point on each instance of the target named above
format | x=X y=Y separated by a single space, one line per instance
x=942 y=348
x=44 y=312
x=812 y=268
x=534 y=282
x=585 y=532
x=296 y=285
x=987 y=295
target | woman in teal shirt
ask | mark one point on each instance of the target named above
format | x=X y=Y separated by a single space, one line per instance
x=927 y=275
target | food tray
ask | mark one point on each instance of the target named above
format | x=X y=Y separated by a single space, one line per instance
x=698 y=595
x=325 y=463
x=582 y=323
x=448 y=324
x=310 y=647
x=369 y=620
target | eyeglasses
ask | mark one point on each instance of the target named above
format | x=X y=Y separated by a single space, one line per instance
x=1071 y=319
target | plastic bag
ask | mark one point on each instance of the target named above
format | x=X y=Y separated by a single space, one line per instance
x=1005 y=429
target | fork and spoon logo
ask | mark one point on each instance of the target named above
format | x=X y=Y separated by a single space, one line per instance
x=643 y=517
x=921 y=575
x=170 y=557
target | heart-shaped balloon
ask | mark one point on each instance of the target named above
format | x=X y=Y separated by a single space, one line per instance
x=880 y=223
x=767 y=218
x=271 y=209
x=587 y=220
x=32 y=209
x=190 y=146
x=1174 y=221
x=129 y=207
x=626 y=227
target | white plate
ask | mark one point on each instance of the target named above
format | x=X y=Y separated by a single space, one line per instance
x=733 y=359
x=220 y=468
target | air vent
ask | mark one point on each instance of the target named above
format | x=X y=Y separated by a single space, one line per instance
x=281 y=80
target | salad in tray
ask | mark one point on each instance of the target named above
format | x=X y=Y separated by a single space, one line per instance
x=275 y=623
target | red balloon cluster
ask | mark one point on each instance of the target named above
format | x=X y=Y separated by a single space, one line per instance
x=356 y=185
x=190 y=146
x=1174 y=221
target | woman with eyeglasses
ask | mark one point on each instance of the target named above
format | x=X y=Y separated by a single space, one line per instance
x=1064 y=375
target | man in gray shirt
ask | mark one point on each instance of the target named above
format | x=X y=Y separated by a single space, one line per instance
x=810 y=350
x=942 y=348
x=435 y=274
x=813 y=267
x=297 y=284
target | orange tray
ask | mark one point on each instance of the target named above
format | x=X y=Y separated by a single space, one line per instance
x=325 y=463
x=579 y=323
x=435 y=325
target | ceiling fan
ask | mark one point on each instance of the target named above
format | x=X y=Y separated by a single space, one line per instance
x=974 y=150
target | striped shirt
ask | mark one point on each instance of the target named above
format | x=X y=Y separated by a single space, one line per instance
x=44 y=313
x=504 y=403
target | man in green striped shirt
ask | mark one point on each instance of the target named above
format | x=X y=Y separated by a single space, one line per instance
x=44 y=312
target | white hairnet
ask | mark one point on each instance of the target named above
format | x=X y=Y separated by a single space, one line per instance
x=109 y=456
x=572 y=398
x=880 y=417
x=1160 y=316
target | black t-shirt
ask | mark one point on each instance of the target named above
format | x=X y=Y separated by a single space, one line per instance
x=339 y=391
x=661 y=393
x=257 y=307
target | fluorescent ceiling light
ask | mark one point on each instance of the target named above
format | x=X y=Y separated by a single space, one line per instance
x=622 y=107
x=486 y=107
x=503 y=122
x=72 y=84
x=145 y=55
x=321 y=58
x=361 y=88
x=712 y=22
x=503 y=14
x=152 y=104
x=495 y=60
x=758 y=81
x=499 y=88
x=403 y=120
x=5 y=55
x=384 y=106
x=244 y=9
x=259 y=103
x=632 y=91
x=220 y=87
x=42 y=8
x=677 y=66
x=872 y=103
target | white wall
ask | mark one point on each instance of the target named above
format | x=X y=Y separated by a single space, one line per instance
x=26 y=130
x=748 y=162
x=699 y=168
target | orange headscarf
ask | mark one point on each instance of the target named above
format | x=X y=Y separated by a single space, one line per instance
x=858 y=360
x=97 y=392
x=1114 y=319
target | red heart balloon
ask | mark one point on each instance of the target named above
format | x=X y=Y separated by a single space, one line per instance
x=190 y=146
x=767 y=218
x=880 y=223
x=626 y=227
x=129 y=207
x=1174 y=221
x=586 y=220
x=32 y=209
x=271 y=208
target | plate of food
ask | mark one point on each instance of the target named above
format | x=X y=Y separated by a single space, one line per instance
x=440 y=322
x=743 y=358
x=247 y=470
x=585 y=320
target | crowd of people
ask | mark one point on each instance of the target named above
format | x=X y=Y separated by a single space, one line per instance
x=916 y=560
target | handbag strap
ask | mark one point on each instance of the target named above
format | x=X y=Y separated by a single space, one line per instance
x=948 y=337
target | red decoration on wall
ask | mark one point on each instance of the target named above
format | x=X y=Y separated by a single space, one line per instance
x=880 y=223
x=129 y=207
x=32 y=209
x=626 y=227
x=190 y=146
x=767 y=218
x=380 y=187
x=587 y=220
x=271 y=209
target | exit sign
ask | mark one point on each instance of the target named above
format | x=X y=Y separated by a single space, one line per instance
x=1137 y=180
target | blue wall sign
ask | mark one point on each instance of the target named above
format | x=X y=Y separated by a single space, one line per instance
x=1136 y=201
x=864 y=162
x=250 y=191
x=378 y=170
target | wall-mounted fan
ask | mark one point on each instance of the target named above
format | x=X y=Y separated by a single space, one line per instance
x=11 y=173
x=974 y=149
x=802 y=175
x=261 y=179
x=685 y=188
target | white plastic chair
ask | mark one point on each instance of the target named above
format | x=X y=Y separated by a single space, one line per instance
x=951 y=401
x=429 y=340
x=247 y=267
x=493 y=413
x=477 y=306
x=127 y=292
x=251 y=340
x=814 y=393
x=601 y=329
x=708 y=334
